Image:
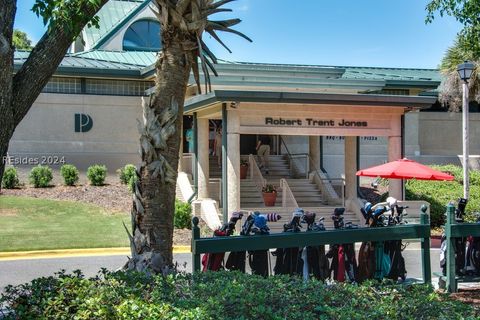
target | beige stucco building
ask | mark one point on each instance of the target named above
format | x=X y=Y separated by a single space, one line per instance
x=325 y=121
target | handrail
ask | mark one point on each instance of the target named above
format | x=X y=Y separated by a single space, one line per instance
x=291 y=161
x=325 y=184
x=256 y=174
x=322 y=180
x=288 y=199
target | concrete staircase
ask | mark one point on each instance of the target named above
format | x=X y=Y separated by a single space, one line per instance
x=306 y=193
x=278 y=168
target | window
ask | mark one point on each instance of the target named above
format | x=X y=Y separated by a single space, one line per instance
x=142 y=35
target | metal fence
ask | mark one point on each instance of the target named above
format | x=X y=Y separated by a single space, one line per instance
x=301 y=239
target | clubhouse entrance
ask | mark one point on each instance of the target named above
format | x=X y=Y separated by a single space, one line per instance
x=245 y=114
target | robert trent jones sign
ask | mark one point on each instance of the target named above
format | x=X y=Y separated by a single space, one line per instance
x=310 y=122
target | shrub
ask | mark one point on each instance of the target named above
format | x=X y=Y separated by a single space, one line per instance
x=440 y=193
x=10 y=178
x=183 y=215
x=70 y=174
x=126 y=173
x=224 y=295
x=128 y=176
x=41 y=176
x=96 y=174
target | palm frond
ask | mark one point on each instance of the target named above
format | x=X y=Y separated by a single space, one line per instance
x=208 y=52
x=216 y=37
x=219 y=27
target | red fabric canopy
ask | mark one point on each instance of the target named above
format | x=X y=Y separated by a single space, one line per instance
x=404 y=169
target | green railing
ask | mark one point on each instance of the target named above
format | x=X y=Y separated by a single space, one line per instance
x=456 y=230
x=313 y=238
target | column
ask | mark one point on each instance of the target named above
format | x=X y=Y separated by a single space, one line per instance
x=314 y=152
x=203 y=159
x=233 y=161
x=350 y=168
x=395 y=187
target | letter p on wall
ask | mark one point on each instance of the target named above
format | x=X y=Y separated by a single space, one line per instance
x=83 y=122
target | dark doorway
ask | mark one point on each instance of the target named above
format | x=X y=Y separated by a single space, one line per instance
x=248 y=143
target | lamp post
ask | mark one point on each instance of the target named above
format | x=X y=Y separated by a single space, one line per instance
x=465 y=72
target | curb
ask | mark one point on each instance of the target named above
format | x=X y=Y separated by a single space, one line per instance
x=65 y=253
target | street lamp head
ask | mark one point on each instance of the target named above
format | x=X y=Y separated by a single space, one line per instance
x=465 y=70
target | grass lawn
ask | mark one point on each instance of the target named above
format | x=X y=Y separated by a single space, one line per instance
x=38 y=224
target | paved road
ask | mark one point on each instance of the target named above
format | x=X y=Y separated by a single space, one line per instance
x=20 y=271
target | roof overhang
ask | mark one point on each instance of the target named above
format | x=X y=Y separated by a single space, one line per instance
x=200 y=102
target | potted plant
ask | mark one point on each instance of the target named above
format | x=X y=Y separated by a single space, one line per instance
x=269 y=195
x=436 y=237
x=243 y=169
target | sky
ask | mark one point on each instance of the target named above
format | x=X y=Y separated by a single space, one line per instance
x=383 y=33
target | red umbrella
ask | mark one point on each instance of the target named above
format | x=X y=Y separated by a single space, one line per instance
x=404 y=169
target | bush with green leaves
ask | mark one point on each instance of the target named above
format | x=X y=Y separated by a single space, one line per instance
x=10 y=178
x=128 y=176
x=97 y=174
x=440 y=193
x=183 y=215
x=41 y=176
x=224 y=295
x=70 y=174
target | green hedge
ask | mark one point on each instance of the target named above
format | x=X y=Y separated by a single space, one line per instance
x=183 y=215
x=440 y=193
x=224 y=295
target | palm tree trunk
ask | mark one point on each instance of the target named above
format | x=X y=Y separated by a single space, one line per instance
x=154 y=199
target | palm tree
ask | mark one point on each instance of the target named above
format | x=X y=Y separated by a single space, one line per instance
x=183 y=23
x=451 y=89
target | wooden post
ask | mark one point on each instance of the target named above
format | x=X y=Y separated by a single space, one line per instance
x=195 y=236
x=426 y=266
x=451 y=272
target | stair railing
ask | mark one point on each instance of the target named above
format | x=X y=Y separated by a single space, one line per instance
x=292 y=161
x=325 y=184
x=256 y=174
x=288 y=199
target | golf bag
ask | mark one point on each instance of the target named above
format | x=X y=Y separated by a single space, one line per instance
x=236 y=259
x=394 y=248
x=316 y=260
x=288 y=260
x=344 y=263
x=460 y=243
x=214 y=261
x=258 y=259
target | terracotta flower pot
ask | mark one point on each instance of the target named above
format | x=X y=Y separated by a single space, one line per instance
x=243 y=171
x=435 y=241
x=269 y=198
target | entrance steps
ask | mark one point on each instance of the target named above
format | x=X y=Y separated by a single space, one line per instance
x=286 y=213
x=306 y=193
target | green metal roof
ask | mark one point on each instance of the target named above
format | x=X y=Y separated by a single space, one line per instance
x=138 y=58
x=331 y=78
x=84 y=66
x=113 y=14
x=391 y=74
x=261 y=75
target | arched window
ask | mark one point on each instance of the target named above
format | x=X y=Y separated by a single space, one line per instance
x=142 y=35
